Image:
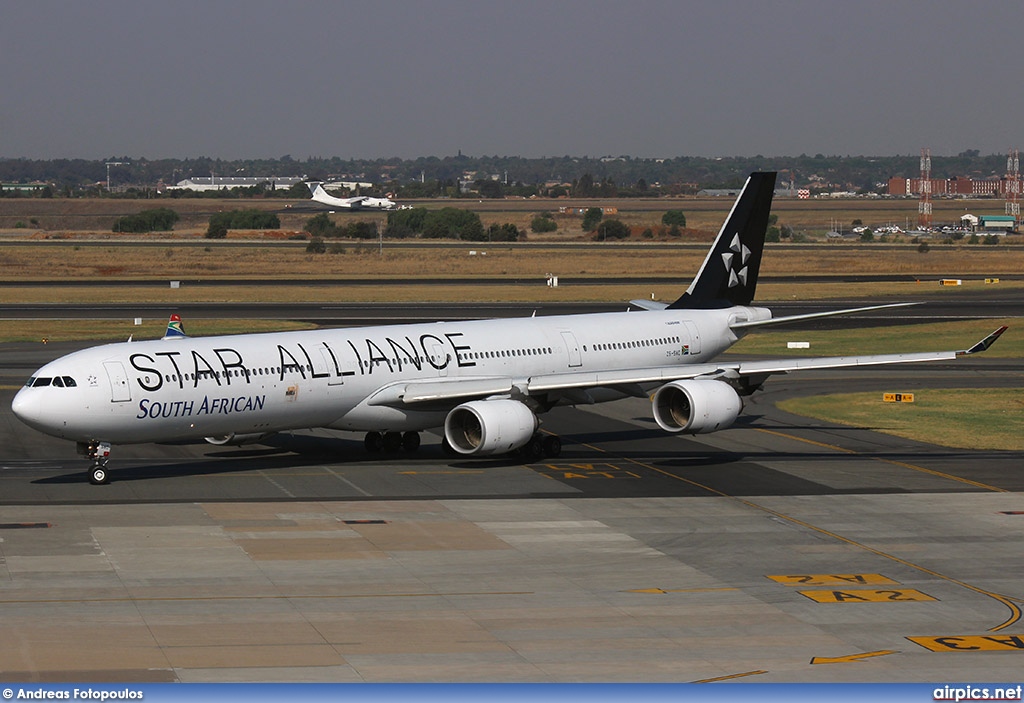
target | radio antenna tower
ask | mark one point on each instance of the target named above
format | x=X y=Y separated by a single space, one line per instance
x=924 y=205
x=113 y=163
x=1013 y=185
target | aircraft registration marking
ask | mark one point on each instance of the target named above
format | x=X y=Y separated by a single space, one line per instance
x=834 y=580
x=891 y=595
x=571 y=471
x=971 y=643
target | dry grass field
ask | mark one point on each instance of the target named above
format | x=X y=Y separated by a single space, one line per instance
x=61 y=217
x=570 y=255
x=518 y=274
x=505 y=261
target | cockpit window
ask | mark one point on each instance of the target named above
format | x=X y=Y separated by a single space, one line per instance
x=58 y=381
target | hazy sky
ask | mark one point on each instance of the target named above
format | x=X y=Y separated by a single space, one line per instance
x=244 y=78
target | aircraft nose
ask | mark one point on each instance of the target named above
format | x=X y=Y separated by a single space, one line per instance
x=26 y=407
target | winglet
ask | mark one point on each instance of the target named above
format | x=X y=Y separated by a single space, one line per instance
x=174 y=328
x=984 y=344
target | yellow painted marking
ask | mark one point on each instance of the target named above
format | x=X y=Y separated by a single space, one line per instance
x=852 y=657
x=903 y=464
x=678 y=590
x=898 y=397
x=581 y=471
x=972 y=643
x=1015 y=611
x=834 y=580
x=324 y=596
x=756 y=672
x=892 y=595
x=426 y=473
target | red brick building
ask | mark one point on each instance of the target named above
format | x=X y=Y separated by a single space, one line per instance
x=958 y=185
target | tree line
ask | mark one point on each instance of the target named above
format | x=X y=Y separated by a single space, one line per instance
x=585 y=176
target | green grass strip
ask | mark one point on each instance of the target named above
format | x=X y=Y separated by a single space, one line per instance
x=965 y=418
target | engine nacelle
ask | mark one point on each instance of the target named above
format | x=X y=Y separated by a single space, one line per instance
x=483 y=427
x=232 y=438
x=696 y=407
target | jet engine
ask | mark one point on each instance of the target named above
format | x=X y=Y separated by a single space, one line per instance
x=483 y=427
x=696 y=407
x=233 y=439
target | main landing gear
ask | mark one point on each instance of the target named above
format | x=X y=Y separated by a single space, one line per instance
x=99 y=454
x=541 y=446
x=391 y=442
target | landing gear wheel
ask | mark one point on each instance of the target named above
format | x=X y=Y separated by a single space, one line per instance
x=533 y=450
x=98 y=475
x=411 y=441
x=552 y=445
x=392 y=441
x=98 y=453
x=373 y=442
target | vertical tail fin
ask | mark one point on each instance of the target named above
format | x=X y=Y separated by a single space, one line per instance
x=728 y=275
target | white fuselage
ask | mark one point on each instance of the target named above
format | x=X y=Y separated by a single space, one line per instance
x=190 y=388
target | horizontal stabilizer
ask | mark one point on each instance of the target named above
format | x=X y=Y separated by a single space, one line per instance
x=648 y=304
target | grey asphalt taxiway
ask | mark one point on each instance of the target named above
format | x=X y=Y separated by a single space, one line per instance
x=782 y=549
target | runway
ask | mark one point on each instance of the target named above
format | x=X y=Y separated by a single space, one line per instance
x=929 y=307
x=782 y=549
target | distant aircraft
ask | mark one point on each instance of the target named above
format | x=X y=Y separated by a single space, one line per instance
x=359 y=202
x=484 y=382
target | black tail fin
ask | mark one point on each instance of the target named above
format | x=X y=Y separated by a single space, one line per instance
x=728 y=275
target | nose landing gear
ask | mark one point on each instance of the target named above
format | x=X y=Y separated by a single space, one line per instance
x=98 y=453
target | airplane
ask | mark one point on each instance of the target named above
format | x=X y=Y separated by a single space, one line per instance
x=359 y=202
x=485 y=382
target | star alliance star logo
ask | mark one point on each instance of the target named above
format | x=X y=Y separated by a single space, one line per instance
x=737 y=274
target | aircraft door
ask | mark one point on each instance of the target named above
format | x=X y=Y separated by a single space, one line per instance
x=693 y=344
x=573 y=348
x=440 y=357
x=334 y=377
x=120 y=391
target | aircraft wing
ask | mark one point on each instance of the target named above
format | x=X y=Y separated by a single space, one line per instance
x=658 y=305
x=812 y=315
x=405 y=392
x=468 y=388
